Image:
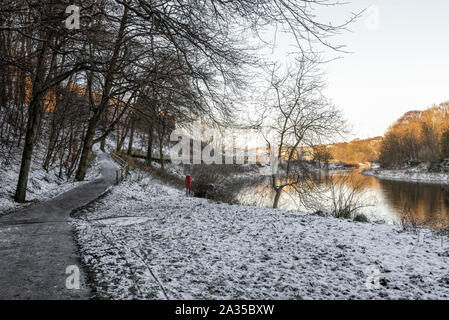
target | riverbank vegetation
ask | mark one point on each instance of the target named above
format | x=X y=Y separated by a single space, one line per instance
x=357 y=151
x=418 y=136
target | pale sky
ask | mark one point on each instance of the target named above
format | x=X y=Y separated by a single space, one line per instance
x=399 y=61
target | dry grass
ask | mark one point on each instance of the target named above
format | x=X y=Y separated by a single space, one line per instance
x=409 y=221
x=160 y=174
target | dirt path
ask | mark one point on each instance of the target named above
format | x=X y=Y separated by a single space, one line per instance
x=37 y=244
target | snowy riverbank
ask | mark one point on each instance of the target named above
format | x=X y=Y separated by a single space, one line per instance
x=415 y=174
x=146 y=240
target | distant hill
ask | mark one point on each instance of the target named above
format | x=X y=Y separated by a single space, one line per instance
x=357 y=151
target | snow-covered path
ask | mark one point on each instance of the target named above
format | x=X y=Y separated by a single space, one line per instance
x=146 y=240
x=37 y=245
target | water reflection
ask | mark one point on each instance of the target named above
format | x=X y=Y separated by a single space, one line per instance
x=426 y=203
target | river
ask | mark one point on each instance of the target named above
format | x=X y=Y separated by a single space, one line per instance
x=385 y=200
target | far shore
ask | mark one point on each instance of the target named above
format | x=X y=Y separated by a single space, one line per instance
x=417 y=174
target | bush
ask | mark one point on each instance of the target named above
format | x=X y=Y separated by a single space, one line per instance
x=434 y=167
x=347 y=196
x=408 y=221
x=218 y=182
x=361 y=218
x=207 y=184
x=321 y=213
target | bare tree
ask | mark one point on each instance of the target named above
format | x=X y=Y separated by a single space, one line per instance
x=297 y=115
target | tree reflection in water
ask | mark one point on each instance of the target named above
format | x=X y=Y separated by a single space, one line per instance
x=426 y=203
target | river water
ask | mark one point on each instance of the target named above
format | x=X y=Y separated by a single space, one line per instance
x=385 y=200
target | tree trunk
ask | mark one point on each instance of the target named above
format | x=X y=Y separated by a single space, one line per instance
x=276 y=198
x=87 y=147
x=161 y=155
x=122 y=137
x=117 y=140
x=103 y=144
x=150 y=145
x=34 y=118
x=131 y=137
x=30 y=138
x=51 y=145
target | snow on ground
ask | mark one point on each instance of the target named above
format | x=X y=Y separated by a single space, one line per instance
x=42 y=185
x=339 y=166
x=418 y=174
x=146 y=240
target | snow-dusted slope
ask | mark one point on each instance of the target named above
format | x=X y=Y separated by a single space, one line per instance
x=147 y=240
x=42 y=185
